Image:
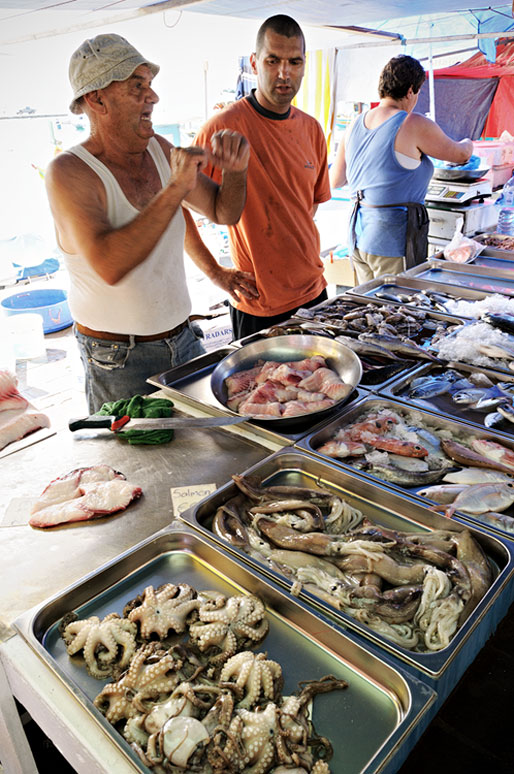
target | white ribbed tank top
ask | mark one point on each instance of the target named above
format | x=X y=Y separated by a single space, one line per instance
x=151 y=298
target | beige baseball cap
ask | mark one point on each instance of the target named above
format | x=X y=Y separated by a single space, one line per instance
x=100 y=61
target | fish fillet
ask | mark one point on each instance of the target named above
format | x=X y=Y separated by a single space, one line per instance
x=67 y=486
x=20 y=427
x=95 y=499
x=10 y=398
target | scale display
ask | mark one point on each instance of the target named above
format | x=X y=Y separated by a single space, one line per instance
x=457 y=192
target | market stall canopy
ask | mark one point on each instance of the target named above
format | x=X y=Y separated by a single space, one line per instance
x=485 y=88
x=321 y=12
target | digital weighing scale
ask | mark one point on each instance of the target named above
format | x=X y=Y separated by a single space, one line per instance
x=457 y=192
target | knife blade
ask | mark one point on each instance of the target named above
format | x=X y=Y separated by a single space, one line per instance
x=97 y=421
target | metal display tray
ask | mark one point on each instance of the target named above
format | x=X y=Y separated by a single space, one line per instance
x=297 y=467
x=401 y=283
x=373 y=404
x=191 y=383
x=479 y=278
x=352 y=304
x=469 y=269
x=489 y=258
x=371 y=724
x=496 y=252
x=398 y=389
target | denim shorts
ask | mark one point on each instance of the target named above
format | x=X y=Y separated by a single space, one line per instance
x=119 y=369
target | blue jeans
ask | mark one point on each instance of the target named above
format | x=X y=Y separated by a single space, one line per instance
x=119 y=369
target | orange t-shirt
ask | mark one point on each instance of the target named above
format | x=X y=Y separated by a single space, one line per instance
x=276 y=238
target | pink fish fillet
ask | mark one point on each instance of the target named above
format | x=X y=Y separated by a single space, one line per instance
x=10 y=398
x=295 y=408
x=326 y=381
x=242 y=381
x=96 y=499
x=67 y=486
x=249 y=409
x=23 y=425
x=271 y=392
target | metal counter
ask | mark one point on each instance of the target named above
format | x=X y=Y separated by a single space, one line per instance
x=37 y=563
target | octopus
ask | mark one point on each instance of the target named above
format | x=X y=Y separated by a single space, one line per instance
x=151 y=678
x=163 y=610
x=227 y=625
x=280 y=733
x=108 y=645
x=254 y=675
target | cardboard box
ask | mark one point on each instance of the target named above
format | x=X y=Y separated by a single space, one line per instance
x=216 y=333
x=339 y=271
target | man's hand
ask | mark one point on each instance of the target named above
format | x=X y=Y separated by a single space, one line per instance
x=186 y=164
x=230 y=151
x=236 y=283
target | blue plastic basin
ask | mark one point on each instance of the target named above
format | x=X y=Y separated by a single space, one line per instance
x=51 y=304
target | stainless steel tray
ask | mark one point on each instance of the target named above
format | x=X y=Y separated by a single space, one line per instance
x=369 y=725
x=398 y=389
x=400 y=283
x=486 y=259
x=497 y=252
x=435 y=265
x=191 y=383
x=441 y=669
x=462 y=276
x=373 y=403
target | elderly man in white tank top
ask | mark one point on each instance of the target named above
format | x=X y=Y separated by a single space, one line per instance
x=119 y=202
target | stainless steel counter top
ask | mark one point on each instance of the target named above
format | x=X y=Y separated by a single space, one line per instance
x=39 y=563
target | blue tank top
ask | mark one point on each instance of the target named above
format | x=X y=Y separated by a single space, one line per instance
x=372 y=167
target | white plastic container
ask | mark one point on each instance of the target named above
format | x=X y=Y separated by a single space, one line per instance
x=28 y=336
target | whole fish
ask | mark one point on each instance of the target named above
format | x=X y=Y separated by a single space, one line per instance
x=492 y=398
x=480 y=379
x=493 y=419
x=364 y=348
x=494 y=452
x=482 y=498
x=406 y=477
x=506 y=410
x=388 y=296
x=473 y=457
x=408 y=463
x=477 y=476
x=398 y=345
x=502 y=351
x=469 y=396
x=430 y=441
x=498 y=520
x=444 y=494
x=430 y=388
x=505 y=322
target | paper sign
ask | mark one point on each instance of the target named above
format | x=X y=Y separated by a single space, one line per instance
x=183 y=497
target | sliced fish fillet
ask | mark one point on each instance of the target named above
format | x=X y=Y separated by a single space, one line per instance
x=10 y=398
x=23 y=425
x=95 y=499
x=67 y=487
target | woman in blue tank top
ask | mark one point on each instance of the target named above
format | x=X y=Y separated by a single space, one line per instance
x=384 y=159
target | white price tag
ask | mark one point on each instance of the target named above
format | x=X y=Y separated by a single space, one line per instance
x=183 y=497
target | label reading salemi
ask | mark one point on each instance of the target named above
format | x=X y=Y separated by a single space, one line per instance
x=184 y=497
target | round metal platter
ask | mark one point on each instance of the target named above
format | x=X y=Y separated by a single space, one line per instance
x=462 y=175
x=282 y=349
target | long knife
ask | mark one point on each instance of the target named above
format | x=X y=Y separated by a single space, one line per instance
x=97 y=421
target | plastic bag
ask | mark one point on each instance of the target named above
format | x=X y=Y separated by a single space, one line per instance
x=462 y=249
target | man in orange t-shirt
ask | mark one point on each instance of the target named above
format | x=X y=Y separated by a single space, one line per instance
x=276 y=240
